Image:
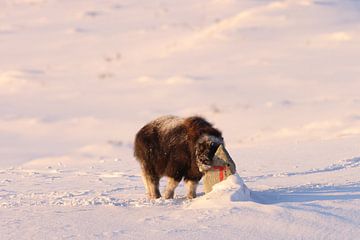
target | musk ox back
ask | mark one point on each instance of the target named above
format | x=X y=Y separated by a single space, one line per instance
x=178 y=148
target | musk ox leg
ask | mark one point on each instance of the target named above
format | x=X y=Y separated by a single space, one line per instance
x=170 y=188
x=191 y=189
x=152 y=185
x=153 y=188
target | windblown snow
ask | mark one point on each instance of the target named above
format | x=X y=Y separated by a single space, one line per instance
x=280 y=79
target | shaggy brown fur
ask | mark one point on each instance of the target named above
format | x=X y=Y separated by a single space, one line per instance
x=179 y=148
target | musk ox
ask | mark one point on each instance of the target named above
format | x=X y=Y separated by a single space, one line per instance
x=178 y=148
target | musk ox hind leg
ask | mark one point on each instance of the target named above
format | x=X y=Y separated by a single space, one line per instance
x=145 y=153
x=170 y=188
x=151 y=184
x=191 y=188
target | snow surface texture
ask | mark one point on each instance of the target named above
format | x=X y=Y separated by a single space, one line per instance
x=279 y=78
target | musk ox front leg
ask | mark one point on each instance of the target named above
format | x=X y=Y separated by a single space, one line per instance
x=191 y=189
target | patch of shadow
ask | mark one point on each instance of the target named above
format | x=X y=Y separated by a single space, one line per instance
x=116 y=143
x=145 y=202
x=118 y=6
x=349 y=163
x=355 y=117
x=215 y=109
x=198 y=78
x=92 y=14
x=34 y=71
x=105 y=75
x=356 y=100
x=115 y=57
x=79 y=30
x=319 y=210
x=6 y=32
x=51 y=119
x=325 y=3
x=287 y=103
x=307 y=193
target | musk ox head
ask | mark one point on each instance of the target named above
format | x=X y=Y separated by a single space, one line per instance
x=205 y=150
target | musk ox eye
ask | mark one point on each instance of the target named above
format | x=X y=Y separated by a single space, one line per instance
x=212 y=150
x=214 y=145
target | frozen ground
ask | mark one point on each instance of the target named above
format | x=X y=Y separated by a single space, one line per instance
x=279 y=78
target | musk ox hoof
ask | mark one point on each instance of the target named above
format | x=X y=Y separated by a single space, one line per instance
x=191 y=196
x=168 y=195
x=153 y=197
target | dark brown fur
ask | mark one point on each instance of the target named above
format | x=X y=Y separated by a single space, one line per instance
x=175 y=148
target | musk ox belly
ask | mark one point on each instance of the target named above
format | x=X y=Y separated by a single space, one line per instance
x=178 y=160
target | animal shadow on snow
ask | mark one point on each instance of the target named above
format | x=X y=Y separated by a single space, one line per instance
x=316 y=192
x=307 y=194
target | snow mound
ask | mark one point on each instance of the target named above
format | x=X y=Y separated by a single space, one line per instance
x=233 y=189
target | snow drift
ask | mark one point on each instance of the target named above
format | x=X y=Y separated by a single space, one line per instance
x=232 y=189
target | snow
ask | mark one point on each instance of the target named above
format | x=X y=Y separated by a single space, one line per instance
x=231 y=189
x=78 y=79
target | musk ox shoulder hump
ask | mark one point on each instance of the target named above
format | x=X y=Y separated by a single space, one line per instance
x=167 y=123
x=198 y=126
